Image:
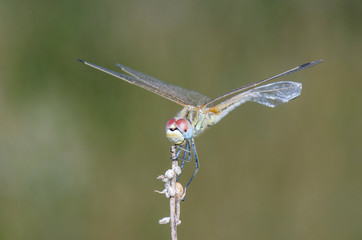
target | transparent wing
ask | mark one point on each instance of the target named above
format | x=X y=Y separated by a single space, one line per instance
x=191 y=97
x=171 y=92
x=274 y=94
x=252 y=85
x=270 y=95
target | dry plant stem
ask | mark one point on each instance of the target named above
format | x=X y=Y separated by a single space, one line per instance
x=173 y=215
x=178 y=211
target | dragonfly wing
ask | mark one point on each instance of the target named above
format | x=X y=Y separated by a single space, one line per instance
x=189 y=97
x=253 y=85
x=274 y=94
x=171 y=92
x=270 y=95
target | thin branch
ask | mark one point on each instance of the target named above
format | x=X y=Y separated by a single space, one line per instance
x=173 y=216
x=175 y=192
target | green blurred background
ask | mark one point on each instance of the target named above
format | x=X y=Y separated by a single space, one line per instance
x=80 y=150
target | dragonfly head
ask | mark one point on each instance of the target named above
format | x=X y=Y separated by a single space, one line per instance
x=178 y=130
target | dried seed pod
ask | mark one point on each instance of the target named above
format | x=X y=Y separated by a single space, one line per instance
x=179 y=191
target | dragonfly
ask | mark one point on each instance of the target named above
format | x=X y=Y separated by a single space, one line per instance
x=201 y=112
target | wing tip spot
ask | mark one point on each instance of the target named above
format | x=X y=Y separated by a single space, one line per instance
x=80 y=60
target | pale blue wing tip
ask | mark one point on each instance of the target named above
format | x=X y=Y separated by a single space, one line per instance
x=310 y=64
x=120 y=66
x=318 y=61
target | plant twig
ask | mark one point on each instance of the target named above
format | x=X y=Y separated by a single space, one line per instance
x=173 y=216
x=174 y=191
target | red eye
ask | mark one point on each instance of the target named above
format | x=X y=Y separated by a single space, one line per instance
x=170 y=122
x=183 y=124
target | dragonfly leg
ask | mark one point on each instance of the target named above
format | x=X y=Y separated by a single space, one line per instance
x=186 y=157
x=196 y=162
x=178 y=152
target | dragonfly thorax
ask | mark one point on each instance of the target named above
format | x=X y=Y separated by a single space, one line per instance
x=178 y=130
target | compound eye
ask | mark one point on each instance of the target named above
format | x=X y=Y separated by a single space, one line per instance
x=171 y=124
x=183 y=125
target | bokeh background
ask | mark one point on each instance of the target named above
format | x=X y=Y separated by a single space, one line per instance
x=80 y=150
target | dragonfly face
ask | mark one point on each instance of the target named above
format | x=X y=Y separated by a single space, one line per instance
x=178 y=130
